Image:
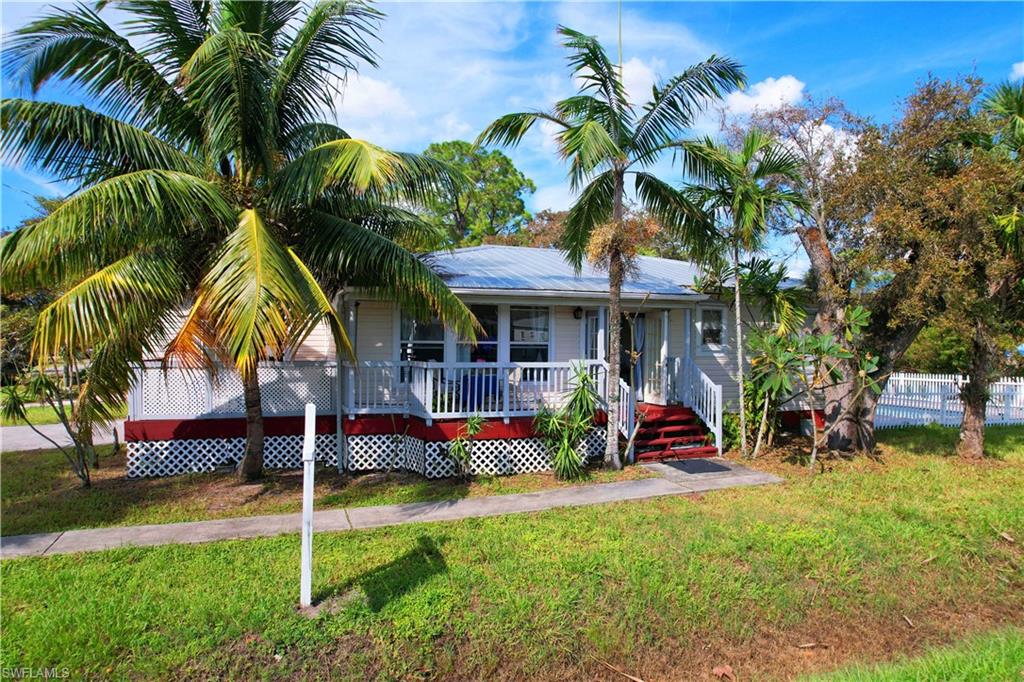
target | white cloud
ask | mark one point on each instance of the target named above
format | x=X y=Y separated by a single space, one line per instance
x=638 y=76
x=556 y=197
x=1017 y=72
x=765 y=95
x=364 y=97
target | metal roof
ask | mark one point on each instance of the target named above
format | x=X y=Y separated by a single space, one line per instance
x=506 y=269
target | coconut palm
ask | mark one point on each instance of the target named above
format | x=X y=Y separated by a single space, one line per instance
x=216 y=205
x=607 y=139
x=745 y=187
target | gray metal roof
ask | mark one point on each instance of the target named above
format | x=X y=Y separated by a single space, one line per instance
x=507 y=269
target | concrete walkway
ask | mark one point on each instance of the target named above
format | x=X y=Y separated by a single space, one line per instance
x=673 y=478
x=19 y=438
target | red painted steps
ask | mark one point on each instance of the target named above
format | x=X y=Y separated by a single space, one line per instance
x=671 y=432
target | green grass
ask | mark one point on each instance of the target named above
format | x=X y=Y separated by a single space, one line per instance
x=992 y=657
x=38 y=493
x=663 y=589
x=44 y=414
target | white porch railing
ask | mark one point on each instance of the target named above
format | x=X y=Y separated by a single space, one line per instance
x=688 y=385
x=454 y=390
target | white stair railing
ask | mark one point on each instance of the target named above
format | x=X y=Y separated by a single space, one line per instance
x=693 y=388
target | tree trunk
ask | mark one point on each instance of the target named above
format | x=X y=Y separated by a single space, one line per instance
x=739 y=349
x=974 y=396
x=616 y=271
x=251 y=466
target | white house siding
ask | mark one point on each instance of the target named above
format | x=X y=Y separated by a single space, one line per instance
x=319 y=345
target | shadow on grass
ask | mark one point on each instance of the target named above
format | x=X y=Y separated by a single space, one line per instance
x=389 y=581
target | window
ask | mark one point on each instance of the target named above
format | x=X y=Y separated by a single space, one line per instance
x=712 y=328
x=421 y=341
x=528 y=334
x=486 y=348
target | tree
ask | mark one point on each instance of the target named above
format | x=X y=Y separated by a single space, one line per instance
x=986 y=291
x=744 y=194
x=489 y=204
x=873 y=230
x=607 y=139
x=209 y=183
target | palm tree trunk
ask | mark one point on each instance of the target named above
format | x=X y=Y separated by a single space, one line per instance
x=616 y=271
x=251 y=466
x=739 y=348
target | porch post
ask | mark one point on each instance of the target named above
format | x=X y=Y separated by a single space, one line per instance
x=665 y=397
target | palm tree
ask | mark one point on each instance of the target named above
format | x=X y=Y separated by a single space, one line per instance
x=210 y=182
x=743 y=192
x=606 y=138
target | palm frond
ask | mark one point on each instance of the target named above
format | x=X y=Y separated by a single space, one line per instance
x=1005 y=104
x=592 y=67
x=124 y=211
x=676 y=211
x=676 y=104
x=510 y=129
x=298 y=140
x=259 y=302
x=368 y=259
x=78 y=46
x=358 y=167
x=74 y=143
x=265 y=20
x=592 y=209
x=122 y=295
x=173 y=29
x=228 y=78
x=588 y=146
x=332 y=41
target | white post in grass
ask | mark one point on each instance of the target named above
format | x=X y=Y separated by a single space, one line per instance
x=308 y=461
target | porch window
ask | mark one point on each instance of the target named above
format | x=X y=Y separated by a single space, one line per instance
x=712 y=328
x=421 y=341
x=529 y=334
x=486 y=348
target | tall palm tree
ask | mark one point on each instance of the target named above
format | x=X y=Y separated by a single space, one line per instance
x=745 y=187
x=210 y=181
x=606 y=138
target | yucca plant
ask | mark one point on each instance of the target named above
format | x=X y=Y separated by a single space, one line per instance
x=565 y=429
x=608 y=140
x=216 y=205
x=460 y=450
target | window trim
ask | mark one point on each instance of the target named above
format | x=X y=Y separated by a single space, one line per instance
x=396 y=353
x=712 y=349
x=507 y=340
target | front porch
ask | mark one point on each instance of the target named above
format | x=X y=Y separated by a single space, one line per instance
x=377 y=415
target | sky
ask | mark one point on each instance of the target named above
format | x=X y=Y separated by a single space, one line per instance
x=448 y=69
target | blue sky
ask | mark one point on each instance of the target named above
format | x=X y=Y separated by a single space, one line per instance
x=448 y=69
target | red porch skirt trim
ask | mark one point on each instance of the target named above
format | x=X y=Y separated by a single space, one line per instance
x=791 y=418
x=362 y=425
x=234 y=427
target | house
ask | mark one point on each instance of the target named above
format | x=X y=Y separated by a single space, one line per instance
x=414 y=382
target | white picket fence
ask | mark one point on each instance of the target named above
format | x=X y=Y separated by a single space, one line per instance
x=918 y=399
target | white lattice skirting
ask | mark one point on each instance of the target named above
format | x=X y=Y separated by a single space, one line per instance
x=429 y=458
x=154 y=458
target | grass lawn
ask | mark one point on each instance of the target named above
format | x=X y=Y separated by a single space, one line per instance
x=38 y=492
x=871 y=561
x=44 y=414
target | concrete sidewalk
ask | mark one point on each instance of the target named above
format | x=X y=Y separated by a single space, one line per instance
x=674 y=478
x=19 y=438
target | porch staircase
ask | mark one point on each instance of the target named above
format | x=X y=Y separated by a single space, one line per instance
x=671 y=432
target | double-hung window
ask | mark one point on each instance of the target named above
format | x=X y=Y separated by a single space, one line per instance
x=486 y=348
x=712 y=329
x=529 y=333
x=421 y=341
